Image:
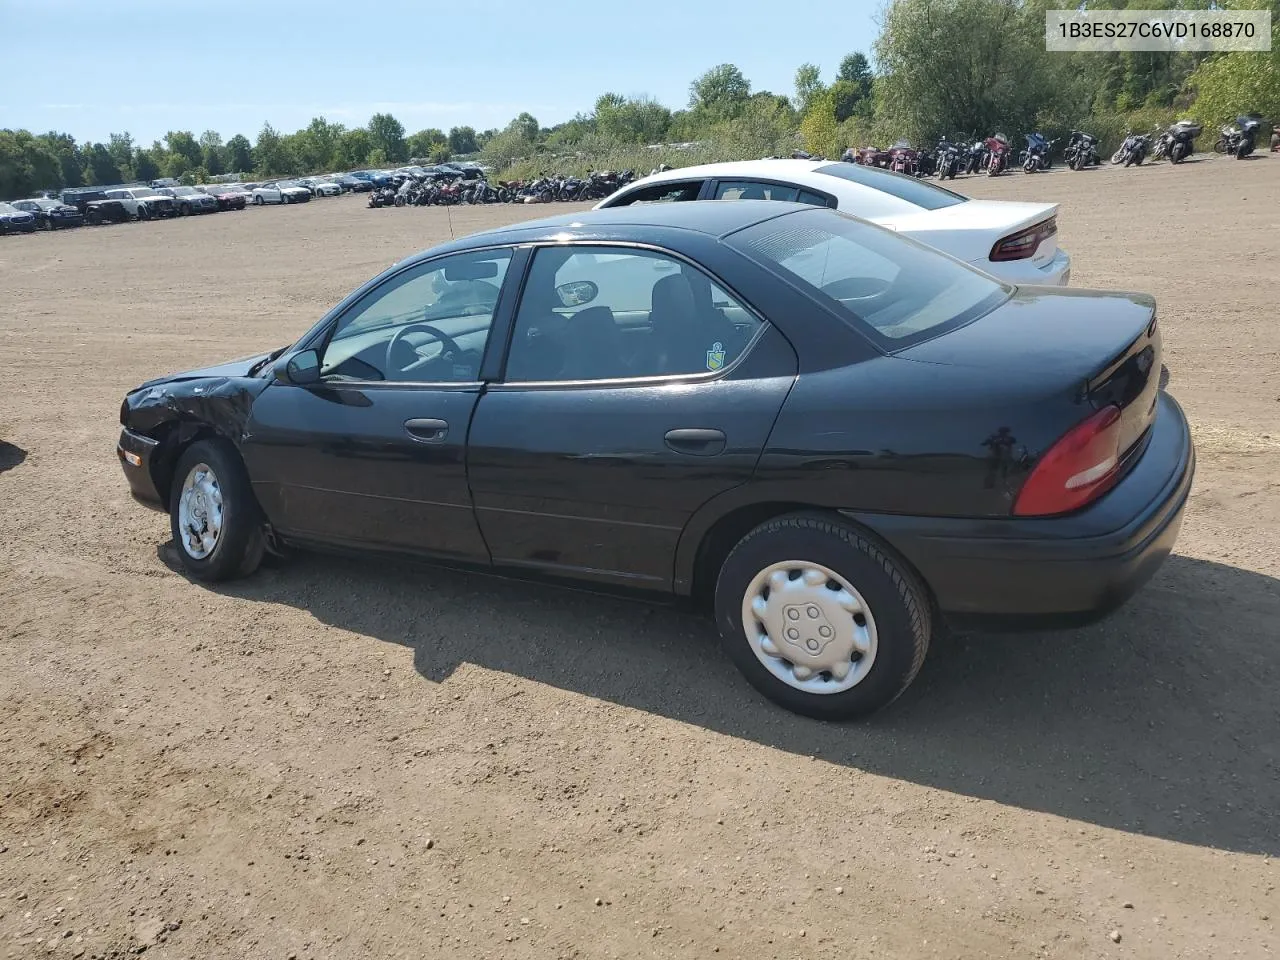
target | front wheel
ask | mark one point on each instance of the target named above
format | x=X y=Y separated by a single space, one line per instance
x=257 y=200
x=213 y=516
x=1220 y=146
x=1175 y=155
x=819 y=619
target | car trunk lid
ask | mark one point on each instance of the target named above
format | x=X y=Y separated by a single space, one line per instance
x=1072 y=347
x=976 y=226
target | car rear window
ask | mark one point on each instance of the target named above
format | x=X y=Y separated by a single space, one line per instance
x=893 y=288
x=920 y=192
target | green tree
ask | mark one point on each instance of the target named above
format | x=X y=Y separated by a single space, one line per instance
x=808 y=85
x=525 y=126
x=317 y=146
x=630 y=119
x=463 y=140
x=353 y=148
x=985 y=70
x=855 y=69
x=146 y=166
x=70 y=162
x=184 y=151
x=101 y=166
x=720 y=92
x=819 y=128
x=425 y=142
x=386 y=133
x=271 y=154
x=212 y=153
x=239 y=154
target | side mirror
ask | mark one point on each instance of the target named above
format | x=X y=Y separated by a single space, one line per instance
x=298 y=368
x=576 y=293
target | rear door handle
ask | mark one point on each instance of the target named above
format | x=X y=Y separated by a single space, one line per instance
x=426 y=430
x=697 y=441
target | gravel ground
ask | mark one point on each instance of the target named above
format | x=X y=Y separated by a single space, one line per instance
x=337 y=759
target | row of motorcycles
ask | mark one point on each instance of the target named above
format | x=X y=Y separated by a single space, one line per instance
x=1177 y=142
x=994 y=154
x=409 y=191
x=950 y=158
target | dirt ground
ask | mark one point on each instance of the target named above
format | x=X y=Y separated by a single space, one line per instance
x=338 y=759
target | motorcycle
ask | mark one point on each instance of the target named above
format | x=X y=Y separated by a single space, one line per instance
x=873 y=157
x=997 y=154
x=1240 y=138
x=902 y=158
x=382 y=197
x=1177 y=142
x=1038 y=152
x=1082 y=150
x=977 y=157
x=1133 y=150
x=950 y=159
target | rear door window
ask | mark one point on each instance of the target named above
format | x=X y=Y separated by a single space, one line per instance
x=668 y=192
x=755 y=190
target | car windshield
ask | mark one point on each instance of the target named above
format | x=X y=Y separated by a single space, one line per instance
x=8 y=208
x=286 y=183
x=894 y=288
x=184 y=191
x=910 y=189
x=144 y=194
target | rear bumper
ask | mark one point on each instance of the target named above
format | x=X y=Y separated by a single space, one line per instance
x=1059 y=570
x=1053 y=273
x=136 y=452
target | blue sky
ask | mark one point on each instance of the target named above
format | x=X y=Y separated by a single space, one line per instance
x=149 y=66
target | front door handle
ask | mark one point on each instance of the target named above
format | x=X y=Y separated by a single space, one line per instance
x=696 y=441
x=426 y=430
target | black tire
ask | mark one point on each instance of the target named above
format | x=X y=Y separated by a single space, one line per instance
x=1243 y=150
x=144 y=212
x=239 y=546
x=898 y=603
x=1220 y=146
x=1175 y=154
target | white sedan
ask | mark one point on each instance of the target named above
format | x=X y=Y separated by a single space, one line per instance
x=280 y=191
x=1016 y=242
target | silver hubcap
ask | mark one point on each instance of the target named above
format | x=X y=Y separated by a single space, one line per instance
x=200 y=512
x=809 y=627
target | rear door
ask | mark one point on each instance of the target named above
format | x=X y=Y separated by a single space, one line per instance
x=630 y=398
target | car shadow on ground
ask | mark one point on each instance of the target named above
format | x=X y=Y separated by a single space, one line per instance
x=1163 y=720
x=10 y=456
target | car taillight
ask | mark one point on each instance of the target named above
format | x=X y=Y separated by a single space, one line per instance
x=1024 y=243
x=1079 y=468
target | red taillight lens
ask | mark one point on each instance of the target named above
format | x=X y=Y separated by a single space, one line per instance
x=1076 y=470
x=1024 y=243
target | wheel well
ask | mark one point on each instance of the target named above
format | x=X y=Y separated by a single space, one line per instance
x=732 y=527
x=174 y=438
x=724 y=536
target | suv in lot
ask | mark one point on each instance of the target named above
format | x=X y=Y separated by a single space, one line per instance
x=143 y=203
x=189 y=200
x=96 y=206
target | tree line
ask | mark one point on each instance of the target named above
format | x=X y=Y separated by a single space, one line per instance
x=969 y=67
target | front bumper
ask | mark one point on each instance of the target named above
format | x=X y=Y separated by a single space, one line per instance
x=136 y=453
x=1066 y=570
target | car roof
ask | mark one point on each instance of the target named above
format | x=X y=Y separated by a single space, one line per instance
x=711 y=219
x=868 y=200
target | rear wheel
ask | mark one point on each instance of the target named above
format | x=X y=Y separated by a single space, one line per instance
x=1220 y=146
x=1175 y=154
x=819 y=619
x=214 y=518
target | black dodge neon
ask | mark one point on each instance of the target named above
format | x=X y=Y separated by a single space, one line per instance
x=833 y=435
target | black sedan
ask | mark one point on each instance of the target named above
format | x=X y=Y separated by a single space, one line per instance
x=833 y=435
x=13 y=220
x=51 y=214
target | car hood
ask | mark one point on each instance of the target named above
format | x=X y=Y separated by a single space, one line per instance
x=969 y=230
x=232 y=368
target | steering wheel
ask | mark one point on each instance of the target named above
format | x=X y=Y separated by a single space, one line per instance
x=448 y=345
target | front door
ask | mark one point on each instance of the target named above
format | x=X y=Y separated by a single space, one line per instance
x=374 y=454
x=631 y=397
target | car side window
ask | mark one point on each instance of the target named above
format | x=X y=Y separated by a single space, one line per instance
x=605 y=313
x=816 y=199
x=426 y=324
x=754 y=190
x=668 y=192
